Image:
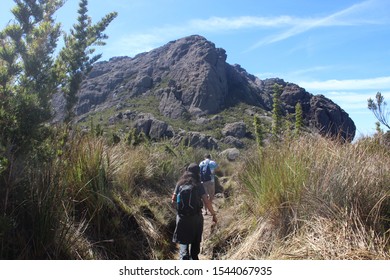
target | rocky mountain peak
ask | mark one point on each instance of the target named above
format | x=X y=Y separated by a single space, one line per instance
x=190 y=77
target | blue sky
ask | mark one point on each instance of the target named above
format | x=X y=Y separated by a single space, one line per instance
x=338 y=48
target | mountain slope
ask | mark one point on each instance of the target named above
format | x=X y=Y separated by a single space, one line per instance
x=189 y=79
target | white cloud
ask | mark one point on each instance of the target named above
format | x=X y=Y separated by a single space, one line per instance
x=140 y=42
x=351 y=16
x=349 y=100
x=376 y=84
x=148 y=39
x=233 y=23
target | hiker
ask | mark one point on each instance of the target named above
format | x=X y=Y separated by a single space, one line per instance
x=207 y=174
x=189 y=218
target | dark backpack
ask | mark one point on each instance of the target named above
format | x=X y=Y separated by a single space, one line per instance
x=205 y=173
x=188 y=200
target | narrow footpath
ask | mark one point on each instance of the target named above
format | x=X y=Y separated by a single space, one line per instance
x=210 y=227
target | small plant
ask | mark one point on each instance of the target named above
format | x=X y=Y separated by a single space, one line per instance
x=379 y=109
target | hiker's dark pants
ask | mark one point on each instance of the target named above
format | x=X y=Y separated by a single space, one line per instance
x=189 y=251
x=188 y=233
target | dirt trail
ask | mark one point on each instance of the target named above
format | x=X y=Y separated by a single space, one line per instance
x=209 y=227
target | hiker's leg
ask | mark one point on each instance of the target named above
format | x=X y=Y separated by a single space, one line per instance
x=184 y=251
x=195 y=245
x=195 y=250
x=212 y=191
x=208 y=187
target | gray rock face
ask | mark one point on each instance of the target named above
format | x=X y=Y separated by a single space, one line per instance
x=190 y=76
x=233 y=141
x=329 y=118
x=153 y=128
x=231 y=154
x=237 y=129
x=319 y=112
x=196 y=140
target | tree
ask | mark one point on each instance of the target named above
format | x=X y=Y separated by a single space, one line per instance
x=276 y=110
x=298 y=118
x=27 y=80
x=259 y=131
x=30 y=70
x=74 y=61
x=378 y=107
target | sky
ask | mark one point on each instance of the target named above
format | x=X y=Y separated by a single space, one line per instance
x=337 y=48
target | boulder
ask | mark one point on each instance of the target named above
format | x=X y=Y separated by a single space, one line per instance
x=196 y=140
x=233 y=142
x=237 y=129
x=231 y=154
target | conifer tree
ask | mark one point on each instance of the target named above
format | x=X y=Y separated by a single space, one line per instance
x=276 y=111
x=298 y=118
x=30 y=71
x=27 y=45
x=76 y=57
x=259 y=131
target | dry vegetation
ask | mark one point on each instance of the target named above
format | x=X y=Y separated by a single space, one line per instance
x=309 y=198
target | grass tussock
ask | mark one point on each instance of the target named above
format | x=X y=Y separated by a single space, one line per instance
x=313 y=198
x=95 y=201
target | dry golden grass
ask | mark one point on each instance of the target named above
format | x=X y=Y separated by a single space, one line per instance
x=311 y=198
x=328 y=239
x=308 y=198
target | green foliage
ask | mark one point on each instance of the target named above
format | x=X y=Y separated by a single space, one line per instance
x=298 y=118
x=135 y=138
x=74 y=61
x=274 y=177
x=276 y=111
x=33 y=193
x=27 y=78
x=378 y=107
x=259 y=130
x=378 y=129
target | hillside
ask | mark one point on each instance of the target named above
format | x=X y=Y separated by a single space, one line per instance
x=188 y=85
x=100 y=187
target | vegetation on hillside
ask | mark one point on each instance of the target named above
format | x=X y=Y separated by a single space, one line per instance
x=311 y=198
x=71 y=194
x=95 y=201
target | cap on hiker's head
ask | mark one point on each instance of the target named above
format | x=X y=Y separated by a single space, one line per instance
x=193 y=168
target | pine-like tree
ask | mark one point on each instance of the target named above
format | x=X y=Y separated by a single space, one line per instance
x=27 y=78
x=276 y=111
x=298 y=118
x=259 y=131
x=30 y=71
x=76 y=57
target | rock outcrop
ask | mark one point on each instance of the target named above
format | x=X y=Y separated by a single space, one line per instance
x=190 y=77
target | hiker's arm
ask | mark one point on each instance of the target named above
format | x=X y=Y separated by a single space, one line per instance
x=174 y=195
x=173 y=199
x=209 y=206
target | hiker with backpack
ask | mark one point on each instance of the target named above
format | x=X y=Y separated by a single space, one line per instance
x=188 y=197
x=207 y=171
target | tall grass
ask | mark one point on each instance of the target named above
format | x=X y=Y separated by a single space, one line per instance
x=96 y=201
x=313 y=189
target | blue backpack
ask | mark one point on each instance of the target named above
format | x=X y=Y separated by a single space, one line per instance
x=205 y=173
